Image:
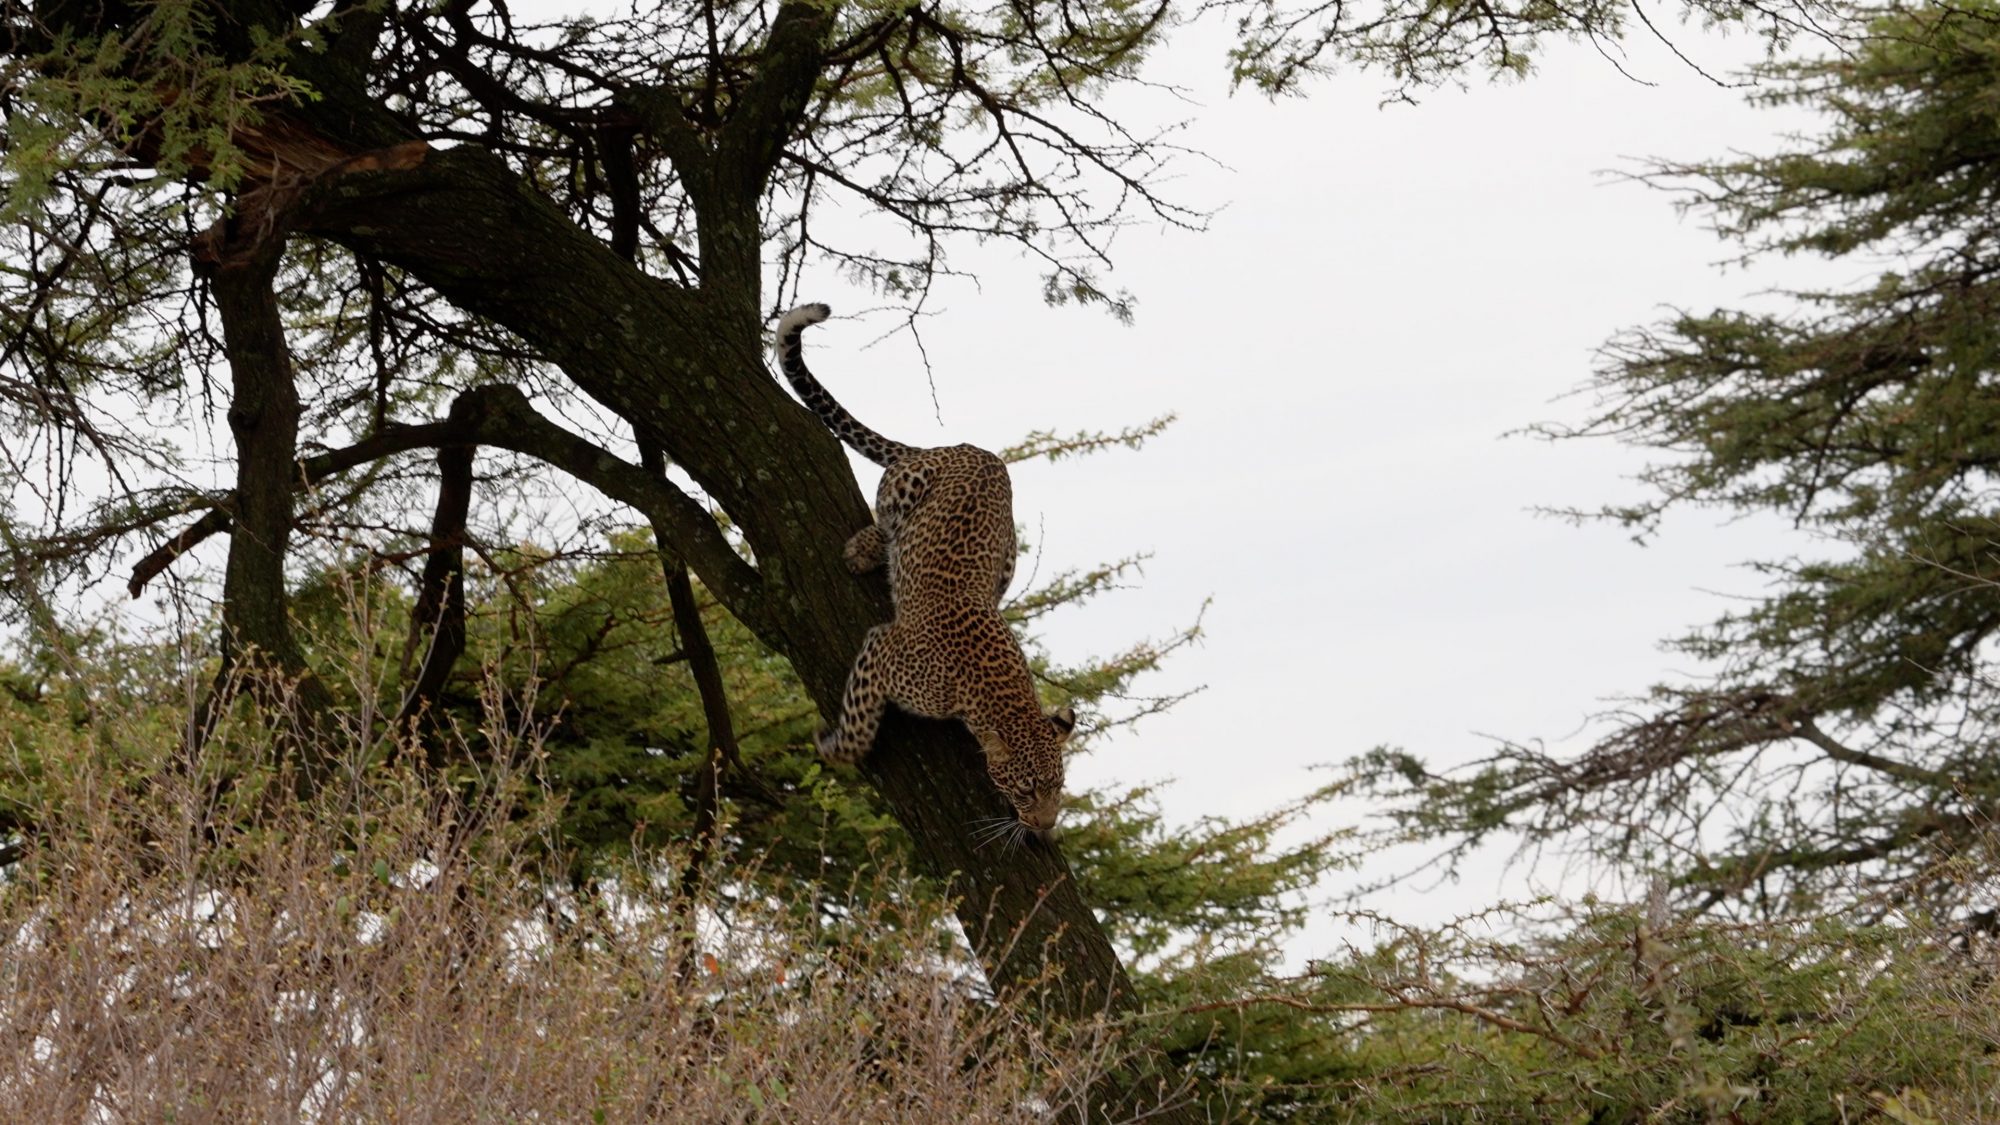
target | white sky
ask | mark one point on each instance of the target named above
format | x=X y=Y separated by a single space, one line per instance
x=1386 y=292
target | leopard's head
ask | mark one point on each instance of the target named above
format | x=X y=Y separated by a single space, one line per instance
x=1025 y=761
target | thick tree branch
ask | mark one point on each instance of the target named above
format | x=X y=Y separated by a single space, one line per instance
x=501 y=416
x=259 y=651
x=437 y=624
x=766 y=113
x=390 y=441
x=657 y=112
x=212 y=522
x=509 y=422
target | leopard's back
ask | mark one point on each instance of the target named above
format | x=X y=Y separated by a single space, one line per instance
x=948 y=528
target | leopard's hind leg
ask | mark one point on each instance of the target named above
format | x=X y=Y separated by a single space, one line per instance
x=862 y=703
x=882 y=674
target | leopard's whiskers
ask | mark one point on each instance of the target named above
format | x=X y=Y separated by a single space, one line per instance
x=987 y=830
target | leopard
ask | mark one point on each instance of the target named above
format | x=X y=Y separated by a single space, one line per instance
x=944 y=529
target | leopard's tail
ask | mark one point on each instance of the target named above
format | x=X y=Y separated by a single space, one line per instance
x=792 y=361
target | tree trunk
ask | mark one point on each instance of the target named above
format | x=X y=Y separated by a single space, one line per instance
x=437 y=623
x=259 y=653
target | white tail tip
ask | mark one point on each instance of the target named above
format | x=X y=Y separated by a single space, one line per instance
x=800 y=317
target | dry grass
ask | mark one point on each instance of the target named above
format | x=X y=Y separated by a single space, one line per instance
x=389 y=952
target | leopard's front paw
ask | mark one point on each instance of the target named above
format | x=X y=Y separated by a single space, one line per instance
x=864 y=550
x=831 y=749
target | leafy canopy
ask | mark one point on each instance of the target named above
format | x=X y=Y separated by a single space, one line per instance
x=1846 y=742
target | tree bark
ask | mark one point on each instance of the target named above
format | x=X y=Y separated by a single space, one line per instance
x=259 y=652
x=437 y=623
x=706 y=671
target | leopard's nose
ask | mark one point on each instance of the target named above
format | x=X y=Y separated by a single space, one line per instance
x=1041 y=819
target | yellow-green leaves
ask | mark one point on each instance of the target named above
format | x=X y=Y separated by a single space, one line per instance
x=154 y=93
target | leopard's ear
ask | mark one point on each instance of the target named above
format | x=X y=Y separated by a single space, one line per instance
x=1064 y=720
x=994 y=746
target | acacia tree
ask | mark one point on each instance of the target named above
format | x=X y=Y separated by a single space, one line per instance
x=400 y=216
x=1845 y=750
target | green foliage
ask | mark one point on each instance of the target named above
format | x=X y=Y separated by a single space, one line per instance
x=1596 y=1012
x=595 y=638
x=1207 y=912
x=1607 y=1014
x=1619 y=1015
x=1049 y=445
x=155 y=86
x=1418 y=45
x=1179 y=896
x=1846 y=737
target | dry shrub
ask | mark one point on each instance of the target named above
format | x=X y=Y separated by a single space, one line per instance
x=391 y=951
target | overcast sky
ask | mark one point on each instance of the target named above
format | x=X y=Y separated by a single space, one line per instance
x=1383 y=295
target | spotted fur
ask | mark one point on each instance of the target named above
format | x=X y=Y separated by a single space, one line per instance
x=944 y=526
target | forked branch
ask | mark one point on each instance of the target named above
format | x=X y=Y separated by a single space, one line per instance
x=501 y=416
